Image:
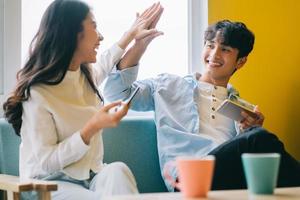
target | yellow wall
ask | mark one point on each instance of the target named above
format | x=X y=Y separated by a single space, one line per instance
x=271 y=77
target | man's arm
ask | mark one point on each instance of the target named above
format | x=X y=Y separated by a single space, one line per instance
x=121 y=84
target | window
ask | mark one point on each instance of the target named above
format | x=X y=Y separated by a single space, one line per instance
x=160 y=56
x=175 y=52
x=32 y=12
x=114 y=20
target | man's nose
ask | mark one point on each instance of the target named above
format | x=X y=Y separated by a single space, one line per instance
x=216 y=52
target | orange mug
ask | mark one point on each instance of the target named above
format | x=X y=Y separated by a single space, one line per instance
x=194 y=175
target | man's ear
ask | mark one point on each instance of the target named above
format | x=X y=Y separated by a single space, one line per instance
x=241 y=62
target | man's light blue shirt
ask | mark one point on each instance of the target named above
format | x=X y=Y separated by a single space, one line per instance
x=174 y=100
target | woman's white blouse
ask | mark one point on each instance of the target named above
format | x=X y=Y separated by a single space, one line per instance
x=52 y=119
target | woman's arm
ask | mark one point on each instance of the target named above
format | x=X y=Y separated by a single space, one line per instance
x=140 y=27
x=141 y=30
x=134 y=54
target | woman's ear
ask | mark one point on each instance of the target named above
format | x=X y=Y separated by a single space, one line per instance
x=241 y=62
x=79 y=36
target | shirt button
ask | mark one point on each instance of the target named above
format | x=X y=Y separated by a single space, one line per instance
x=213 y=108
x=215 y=87
x=213 y=117
x=214 y=99
x=213 y=95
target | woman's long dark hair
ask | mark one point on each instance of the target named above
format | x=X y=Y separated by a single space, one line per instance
x=50 y=55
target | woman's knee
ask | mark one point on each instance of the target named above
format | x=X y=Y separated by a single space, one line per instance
x=118 y=166
x=115 y=178
x=118 y=169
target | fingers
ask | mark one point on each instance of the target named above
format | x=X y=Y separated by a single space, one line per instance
x=260 y=117
x=150 y=10
x=109 y=106
x=147 y=33
x=249 y=120
x=149 y=38
x=121 y=112
x=153 y=24
x=153 y=15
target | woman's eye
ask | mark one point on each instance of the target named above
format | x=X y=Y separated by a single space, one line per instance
x=209 y=45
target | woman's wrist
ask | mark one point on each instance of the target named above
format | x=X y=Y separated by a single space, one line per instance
x=126 y=39
x=85 y=137
x=88 y=131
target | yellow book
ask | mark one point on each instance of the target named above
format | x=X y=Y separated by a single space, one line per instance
x=233 y=106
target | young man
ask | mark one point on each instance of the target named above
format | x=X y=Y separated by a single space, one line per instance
x=185 y=108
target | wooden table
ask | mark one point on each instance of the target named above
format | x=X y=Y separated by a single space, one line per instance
x=280 y=194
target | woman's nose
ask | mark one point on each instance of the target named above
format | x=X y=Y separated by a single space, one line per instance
x=100 y=36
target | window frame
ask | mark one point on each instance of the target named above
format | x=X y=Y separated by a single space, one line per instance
x=11 y=46
x=1 y=46
x=197 y=23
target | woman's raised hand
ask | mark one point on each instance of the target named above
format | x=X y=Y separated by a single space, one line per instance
x=146 y=22
x=143 y=26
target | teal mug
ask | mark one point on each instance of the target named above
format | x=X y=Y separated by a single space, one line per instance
x=261 y=171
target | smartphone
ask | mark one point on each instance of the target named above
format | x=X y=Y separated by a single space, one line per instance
x=125 y=102
x=129 y=99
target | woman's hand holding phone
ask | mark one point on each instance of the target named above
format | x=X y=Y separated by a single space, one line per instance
x=103 y=119
x=125 y=103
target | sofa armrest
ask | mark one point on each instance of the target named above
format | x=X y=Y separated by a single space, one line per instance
x=39 y=185
x=13 y=185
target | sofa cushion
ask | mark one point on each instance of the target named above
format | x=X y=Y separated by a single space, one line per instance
x=132 y=142
x=9 y=149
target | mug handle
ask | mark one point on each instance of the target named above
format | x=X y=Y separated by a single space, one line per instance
x=168 y=177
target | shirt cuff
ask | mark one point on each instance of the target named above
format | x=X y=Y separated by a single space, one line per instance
x=78 y=142
x=117 y=50
x=134 y=70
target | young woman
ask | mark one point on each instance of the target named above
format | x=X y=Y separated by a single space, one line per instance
x=57 y=109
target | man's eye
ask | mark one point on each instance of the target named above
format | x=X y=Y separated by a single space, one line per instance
x=226 y=50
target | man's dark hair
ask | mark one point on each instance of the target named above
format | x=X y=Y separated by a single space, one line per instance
x=233 y=34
